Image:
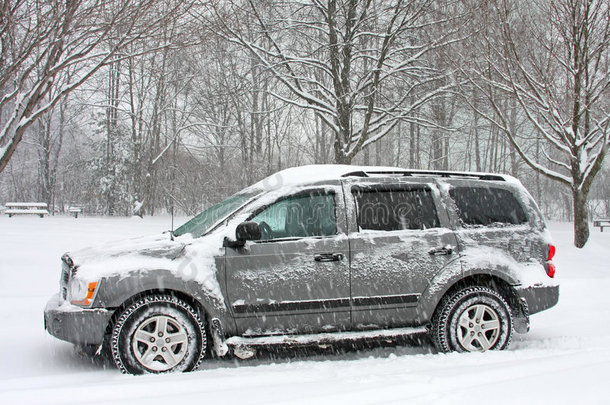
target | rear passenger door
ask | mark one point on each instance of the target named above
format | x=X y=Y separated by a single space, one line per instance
x=400 y=243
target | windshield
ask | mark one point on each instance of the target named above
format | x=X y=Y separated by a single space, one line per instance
x=203 y=223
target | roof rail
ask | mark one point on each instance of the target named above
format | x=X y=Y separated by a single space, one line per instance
x=411 y=173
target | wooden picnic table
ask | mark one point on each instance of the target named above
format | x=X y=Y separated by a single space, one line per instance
x=602 y=223
x=26 y=208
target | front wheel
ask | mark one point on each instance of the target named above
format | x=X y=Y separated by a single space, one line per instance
x=472 y=319
x=158 y=334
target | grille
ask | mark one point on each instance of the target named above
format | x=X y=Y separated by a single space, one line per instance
x=66 y=272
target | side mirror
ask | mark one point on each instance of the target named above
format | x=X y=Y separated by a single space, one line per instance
x=247 y=231
x=244 y=232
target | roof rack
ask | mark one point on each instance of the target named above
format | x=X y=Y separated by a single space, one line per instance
x=411 y=173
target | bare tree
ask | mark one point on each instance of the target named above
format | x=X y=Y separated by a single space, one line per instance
x=43 y=41
x=337 y=57
x=50 y=136
x=553 y=59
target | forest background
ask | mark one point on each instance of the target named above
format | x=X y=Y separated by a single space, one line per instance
x=143 y=107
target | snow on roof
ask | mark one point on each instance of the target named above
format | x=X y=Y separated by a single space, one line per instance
x=295 y=176
x=309 y=174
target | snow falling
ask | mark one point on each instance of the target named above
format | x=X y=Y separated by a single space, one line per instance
x=563 y=359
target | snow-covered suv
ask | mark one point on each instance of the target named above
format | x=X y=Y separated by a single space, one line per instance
x=317 y=254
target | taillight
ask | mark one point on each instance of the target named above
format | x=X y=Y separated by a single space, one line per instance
x=550 y=267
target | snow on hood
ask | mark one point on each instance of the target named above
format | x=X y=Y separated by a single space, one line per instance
x=157 y=245
x=189 y=259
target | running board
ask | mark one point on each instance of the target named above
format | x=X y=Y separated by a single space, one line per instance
x=245 y=347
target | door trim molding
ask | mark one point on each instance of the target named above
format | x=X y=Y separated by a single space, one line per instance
x=309 y=305
x=386 y=300
x=285 y=306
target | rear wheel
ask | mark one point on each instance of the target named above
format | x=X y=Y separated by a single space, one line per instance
x=472 y=319
x=158 y=334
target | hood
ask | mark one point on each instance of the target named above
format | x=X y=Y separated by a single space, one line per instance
x=187 y=258
x=152 y=246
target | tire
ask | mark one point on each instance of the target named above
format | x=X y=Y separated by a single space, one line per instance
x=472 y=319
x=158 y=334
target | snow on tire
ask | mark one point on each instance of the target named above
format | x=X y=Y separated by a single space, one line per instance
x=472 y=319
x=157 y=334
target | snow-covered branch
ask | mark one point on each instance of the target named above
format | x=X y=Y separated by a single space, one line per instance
x=338 y=57
x=45 y=41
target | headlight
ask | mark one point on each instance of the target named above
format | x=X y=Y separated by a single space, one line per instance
x=82 y=293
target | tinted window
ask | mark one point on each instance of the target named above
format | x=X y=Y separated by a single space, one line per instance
x=391 y=210
x=299 y=216
x=485 y=206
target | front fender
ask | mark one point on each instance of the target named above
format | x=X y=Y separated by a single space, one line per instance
x=115 y=290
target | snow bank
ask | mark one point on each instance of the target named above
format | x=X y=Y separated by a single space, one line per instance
x=564 y=359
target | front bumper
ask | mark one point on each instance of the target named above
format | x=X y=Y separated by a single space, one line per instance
x=77 y=325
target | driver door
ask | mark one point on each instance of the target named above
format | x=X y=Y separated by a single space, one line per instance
x=296 y=278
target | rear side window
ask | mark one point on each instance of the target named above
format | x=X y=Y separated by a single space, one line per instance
x=487 y=206
x=395 y=209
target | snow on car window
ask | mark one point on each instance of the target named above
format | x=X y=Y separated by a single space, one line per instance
x=395 y=209
x=487 y=205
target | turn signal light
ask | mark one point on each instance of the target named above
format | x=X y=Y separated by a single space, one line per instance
x=90 y=292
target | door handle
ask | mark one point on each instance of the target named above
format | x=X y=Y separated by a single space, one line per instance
x=446 y=250
x=328 y=257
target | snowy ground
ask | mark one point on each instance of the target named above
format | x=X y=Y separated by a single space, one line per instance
x=564 y=359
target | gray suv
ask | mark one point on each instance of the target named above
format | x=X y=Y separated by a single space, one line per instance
x=315 y=255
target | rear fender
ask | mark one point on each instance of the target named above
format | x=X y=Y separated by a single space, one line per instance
x=489 y=264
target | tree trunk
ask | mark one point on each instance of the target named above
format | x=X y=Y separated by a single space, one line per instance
x=398 y=145
x=477 y=144
x=341 y=157
x=412 y=135
x=581 y=224
x=437 y=149
x=378 y=153
x=111 y=132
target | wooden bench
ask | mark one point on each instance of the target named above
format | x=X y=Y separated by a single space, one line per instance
x=75 y=211
x=602 y=223
x=26 y=208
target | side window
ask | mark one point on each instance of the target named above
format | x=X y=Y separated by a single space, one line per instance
x=487 y=206
x=391 y=210
x=302 y=215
